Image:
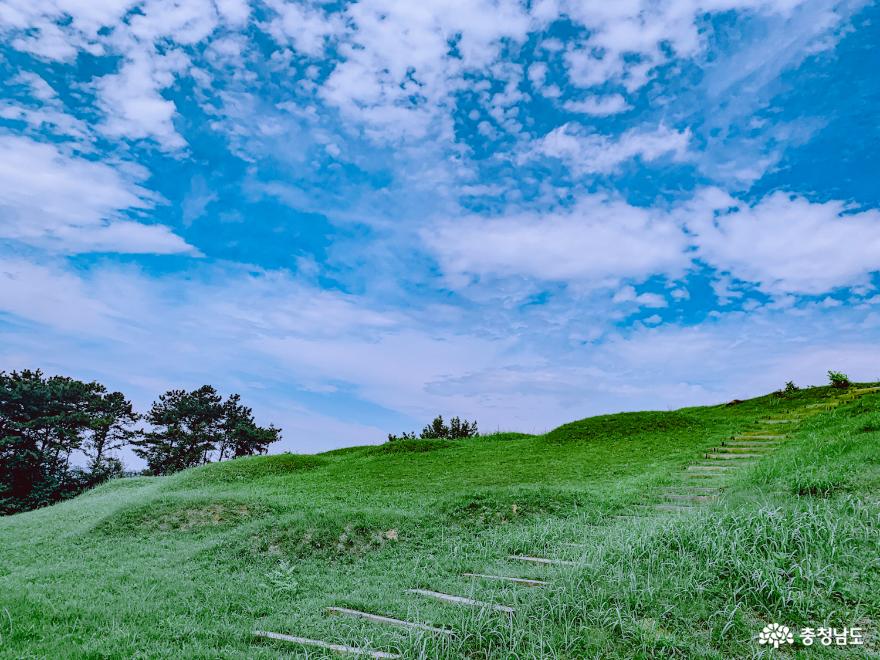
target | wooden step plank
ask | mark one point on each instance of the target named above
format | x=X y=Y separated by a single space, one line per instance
x=760 y=436
x=709 y=468
x=391 y=621
x=732 y=456
x=741 y=451
x=750 y=443
x=339 y=648
x=543 y=560
x=674 y=508
x=687 y=488
x=523 y=581
x=461 y=600
x=690 y=498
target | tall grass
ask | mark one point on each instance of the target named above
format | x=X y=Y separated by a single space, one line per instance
x=190 y=565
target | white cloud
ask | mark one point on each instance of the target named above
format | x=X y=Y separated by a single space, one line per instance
x=627 y=40
x=590 y=153
x=398 y=75
x=599 y=106
x=599 y=241
x=133 y=105
x=787 y=244
x=307 y=28
x=628 y=294
x=71 y=204
x=40 y=89
x=234 y=12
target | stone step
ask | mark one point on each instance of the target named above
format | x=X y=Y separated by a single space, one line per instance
x=338 y=648
x=461 y=600
x=691 y=498
x=543 y=560
x=523 y=581
x=391 y=621
x=689 y=490
x=776 y=421
x=751 y=443
x=709 y=468
x=731 y=456
x=760 y=436
x=742 y=449
x=673 y=508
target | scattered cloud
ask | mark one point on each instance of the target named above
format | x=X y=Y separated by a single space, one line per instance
x=628 y=294
x=132 y=102
x=787 y=244
x=599 y=241
x=590 y=153
x=474 y=209
x=68 y=203
x=599 y=106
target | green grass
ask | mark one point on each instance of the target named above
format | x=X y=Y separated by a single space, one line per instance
x=190 y=565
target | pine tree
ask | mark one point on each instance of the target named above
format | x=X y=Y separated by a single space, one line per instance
x=187 y=428
x=241 y=435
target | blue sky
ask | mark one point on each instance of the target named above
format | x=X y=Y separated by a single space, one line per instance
x=361 y=214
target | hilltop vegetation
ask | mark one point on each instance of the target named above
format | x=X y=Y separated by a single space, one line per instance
x=47 y=423
x=189 y=565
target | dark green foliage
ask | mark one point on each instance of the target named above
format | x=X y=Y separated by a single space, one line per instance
x=44 y=422
x=838 y=379
x=187 y=428
x=111 y=427
x=438 y=429
x=790 y=387
x=241 y=435
x=402 y=436
x=194 y=428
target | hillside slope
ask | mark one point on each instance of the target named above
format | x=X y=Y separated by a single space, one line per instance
x=665 y=557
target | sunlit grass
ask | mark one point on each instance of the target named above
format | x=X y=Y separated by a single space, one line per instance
x=190 y=565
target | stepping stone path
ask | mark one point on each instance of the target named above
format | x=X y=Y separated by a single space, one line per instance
x=523 y=581
x=375 y=618
x=543 y=560
x=461 y=600
x=339 y=648
x=700 y=488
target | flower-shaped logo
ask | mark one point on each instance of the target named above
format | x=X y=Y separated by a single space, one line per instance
x=775 y=634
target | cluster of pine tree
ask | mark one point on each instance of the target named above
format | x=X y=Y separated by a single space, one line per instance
x=59 y=435
x=438 y=429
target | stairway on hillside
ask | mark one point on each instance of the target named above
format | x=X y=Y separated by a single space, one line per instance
x=702 y=483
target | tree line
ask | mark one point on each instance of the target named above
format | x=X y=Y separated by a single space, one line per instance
x=59 y=436
x=438 y=429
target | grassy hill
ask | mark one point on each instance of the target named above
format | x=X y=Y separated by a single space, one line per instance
x=665 y=559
